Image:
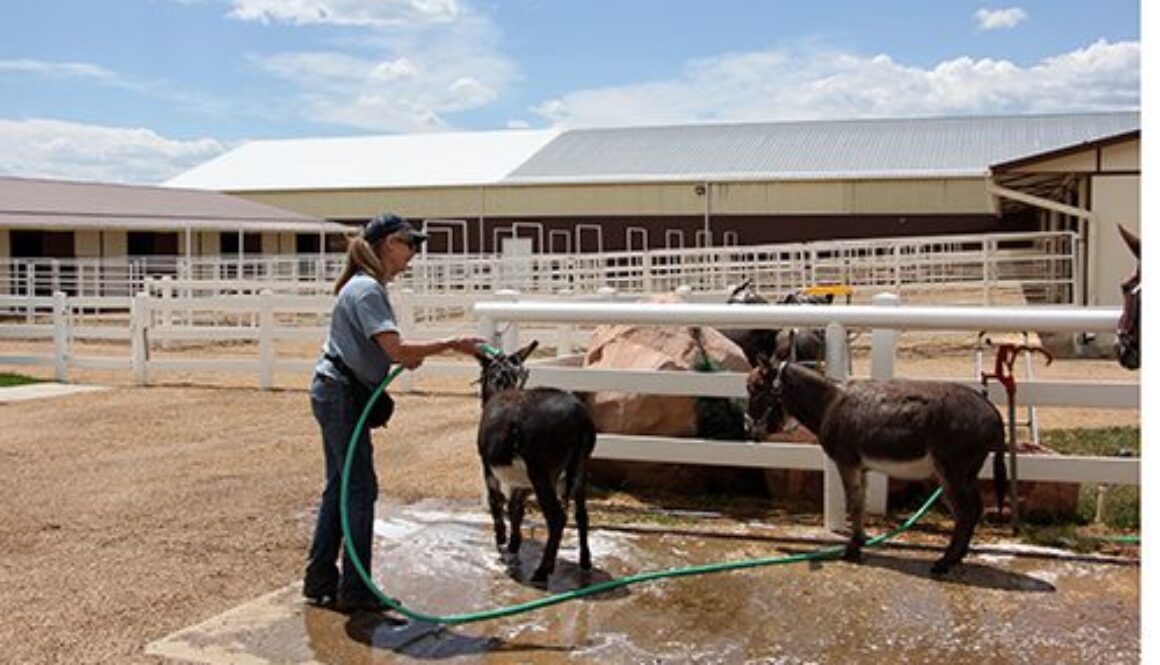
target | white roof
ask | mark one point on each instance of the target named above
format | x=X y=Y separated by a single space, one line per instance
x=405 y=160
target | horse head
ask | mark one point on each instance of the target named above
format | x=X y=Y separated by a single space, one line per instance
x=504 y=371
x=765 y=413
x=1128 y=333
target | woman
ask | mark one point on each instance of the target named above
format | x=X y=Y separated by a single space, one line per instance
x=363 y=342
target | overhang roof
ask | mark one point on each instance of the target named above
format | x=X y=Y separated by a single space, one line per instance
x=63 y=205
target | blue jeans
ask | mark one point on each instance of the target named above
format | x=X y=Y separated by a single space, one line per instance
x=337 y=411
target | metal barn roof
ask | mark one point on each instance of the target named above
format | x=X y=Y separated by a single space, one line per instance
x=63 y=205
x=404 y=160
x=856 y=149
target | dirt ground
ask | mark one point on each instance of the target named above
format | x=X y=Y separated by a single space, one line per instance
x=133 y=512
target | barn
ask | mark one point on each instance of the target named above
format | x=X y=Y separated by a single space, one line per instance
x=639 y=188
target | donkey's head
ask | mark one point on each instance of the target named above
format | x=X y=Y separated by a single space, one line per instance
x=504 y=371
x=1128 y=333
x=766 y=412
x=745 y=294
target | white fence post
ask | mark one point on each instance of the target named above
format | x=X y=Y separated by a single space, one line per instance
x=833 y=495
x=565 y=332
x=139 y=336
x=60 y=336
x=30 y=292
x=266 y=339
x=406 y=322
x=883 y=347
x=509 y=337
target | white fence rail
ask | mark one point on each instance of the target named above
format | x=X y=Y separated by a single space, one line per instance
x=268 y=318
x=497 y=315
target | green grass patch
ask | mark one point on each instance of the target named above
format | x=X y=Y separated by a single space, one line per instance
x=7 y=380
x=1096 y=441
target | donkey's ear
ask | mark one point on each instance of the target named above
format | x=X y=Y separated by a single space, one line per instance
x=523 y=353
x=1132 y=239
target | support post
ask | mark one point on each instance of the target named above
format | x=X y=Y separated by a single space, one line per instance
x=139 y=336
x=883 y=348
x=266 y=339
x=61 y=335
x=834 y=496
x=405 y=298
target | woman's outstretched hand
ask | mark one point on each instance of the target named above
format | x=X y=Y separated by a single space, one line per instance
x=466 y=344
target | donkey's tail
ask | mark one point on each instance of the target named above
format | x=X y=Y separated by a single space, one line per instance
x=999 y=472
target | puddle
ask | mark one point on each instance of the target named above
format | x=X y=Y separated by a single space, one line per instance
x=440 y=558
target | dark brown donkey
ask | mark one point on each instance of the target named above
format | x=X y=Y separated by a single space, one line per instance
x=533 y=440
x=1128 y=333
x=906 y=429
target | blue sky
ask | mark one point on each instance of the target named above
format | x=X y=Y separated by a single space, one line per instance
x=140 y=90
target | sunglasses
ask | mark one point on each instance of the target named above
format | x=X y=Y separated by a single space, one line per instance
x=411 y=242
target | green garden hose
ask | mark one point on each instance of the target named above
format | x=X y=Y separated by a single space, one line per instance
x=601 y=587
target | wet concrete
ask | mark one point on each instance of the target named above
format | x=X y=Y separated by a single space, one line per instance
x=439 y=558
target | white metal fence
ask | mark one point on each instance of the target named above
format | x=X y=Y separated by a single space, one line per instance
x=883 y=318
x=1040 y=267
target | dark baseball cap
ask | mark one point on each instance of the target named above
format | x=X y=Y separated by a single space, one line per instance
x=384 y=225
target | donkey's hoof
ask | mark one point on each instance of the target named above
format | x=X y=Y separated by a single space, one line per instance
x=585 y=563
x=853 y=555
x=940 y=567
x=540 y=579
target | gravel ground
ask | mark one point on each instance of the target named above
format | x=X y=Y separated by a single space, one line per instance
x=134 y=512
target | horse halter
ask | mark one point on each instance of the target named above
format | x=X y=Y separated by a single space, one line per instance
x=504 y=373
x=772 y=401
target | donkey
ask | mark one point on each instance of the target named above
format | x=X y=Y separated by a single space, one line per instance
x=1128 y=332
x=906 y=429
x=533 y=440
x=808 y=345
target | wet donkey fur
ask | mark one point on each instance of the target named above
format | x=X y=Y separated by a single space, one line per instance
x=536 y=440
x=906 y=429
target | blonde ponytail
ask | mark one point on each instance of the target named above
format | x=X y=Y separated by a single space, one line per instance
x=361 y=255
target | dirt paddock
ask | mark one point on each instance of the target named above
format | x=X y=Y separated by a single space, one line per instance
x=133 y=512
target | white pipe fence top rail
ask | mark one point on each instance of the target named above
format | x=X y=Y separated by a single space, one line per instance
x=918 y=317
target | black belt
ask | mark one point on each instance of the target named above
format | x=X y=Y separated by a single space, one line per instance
x=344 y=369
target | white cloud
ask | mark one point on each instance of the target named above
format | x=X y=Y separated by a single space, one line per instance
x=40 y=148
x=999 y=19
x=403 y=79
x=800 y=84
x=365 y=13
x=41 y=68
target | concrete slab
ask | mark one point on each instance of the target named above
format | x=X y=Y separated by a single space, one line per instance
x=1029 y=606
x=43 y=390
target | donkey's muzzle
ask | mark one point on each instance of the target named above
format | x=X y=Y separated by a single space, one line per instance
x=1127 y=352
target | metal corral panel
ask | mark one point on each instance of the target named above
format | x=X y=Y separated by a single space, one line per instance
x=853 y=149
